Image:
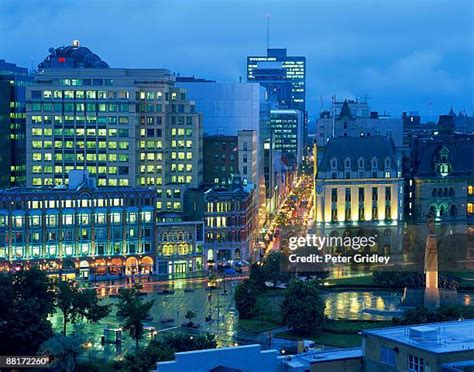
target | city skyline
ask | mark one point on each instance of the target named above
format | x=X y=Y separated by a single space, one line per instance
x=427 y=61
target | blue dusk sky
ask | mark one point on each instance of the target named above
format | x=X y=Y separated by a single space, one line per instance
x=401 y=54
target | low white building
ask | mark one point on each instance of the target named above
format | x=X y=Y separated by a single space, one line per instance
x=249 y=358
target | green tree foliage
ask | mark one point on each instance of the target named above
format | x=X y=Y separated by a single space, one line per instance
x=77 y=303
x=26 y=300
x=64 y=350
x=134 y=310
x=272 y=269
x=303 y=308
x=263 y=308
x=162 y=350
x=245 y=297
x=190 y=315
x=258 y=275
x=421 y=314
x=413 y=279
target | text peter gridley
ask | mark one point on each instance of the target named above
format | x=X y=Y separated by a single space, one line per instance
x=328 y=258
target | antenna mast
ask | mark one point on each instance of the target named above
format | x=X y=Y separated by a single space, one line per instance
x=268 y=30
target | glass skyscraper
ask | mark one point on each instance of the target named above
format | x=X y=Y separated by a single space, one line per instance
x=13 y=82
x=283 y=76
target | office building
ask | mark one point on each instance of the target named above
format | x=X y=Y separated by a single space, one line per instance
x=230 y=218
x=226 y=107
x=274 y=71
x=359 y=189
x=287 y=134
x=351 y=120
x=126 y=127
x=225 y=156
x=13 y=83
x=79 y=230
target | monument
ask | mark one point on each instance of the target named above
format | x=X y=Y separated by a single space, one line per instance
x=431 y=297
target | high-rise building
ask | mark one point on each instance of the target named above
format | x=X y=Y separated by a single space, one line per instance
x=13 y=83
x=226 y=107
x=126 y=127
x=283 y=76
x=287 y=130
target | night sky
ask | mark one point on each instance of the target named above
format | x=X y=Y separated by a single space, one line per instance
x=401 y=54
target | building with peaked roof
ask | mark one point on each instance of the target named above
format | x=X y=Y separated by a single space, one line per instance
x=359 y=190
x=353 y=119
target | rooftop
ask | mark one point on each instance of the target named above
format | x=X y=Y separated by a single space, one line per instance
x=439 y=338
x=306 y=359
x=72 y=56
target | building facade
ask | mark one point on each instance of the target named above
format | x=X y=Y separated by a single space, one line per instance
x=230 y=220
x=180 y=248
x=125 y=127
x=274 y=71
x=80 y=230
x=228 y=155
x=287 y=134
x=13 y=83
x=359 y=190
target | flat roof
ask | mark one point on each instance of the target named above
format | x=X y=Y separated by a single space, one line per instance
x=442 y=337
x=306 y=359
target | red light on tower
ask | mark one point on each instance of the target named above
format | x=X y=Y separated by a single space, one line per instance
x=61 y=59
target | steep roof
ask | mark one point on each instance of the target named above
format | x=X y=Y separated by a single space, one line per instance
x=345 y=111
x=355 y=148
x=461 y=153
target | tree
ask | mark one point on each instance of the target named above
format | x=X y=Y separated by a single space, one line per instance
x=272 y=269
x=26 y=301
x=160 y=350
x=303 y=308
x=263 y=308
x=190 y=315
x=64 y=350
x=135 y=312
x=77 y=303
x=245 y=298
x=258 y=276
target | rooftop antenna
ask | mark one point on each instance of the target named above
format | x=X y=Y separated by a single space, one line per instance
x=268 y=30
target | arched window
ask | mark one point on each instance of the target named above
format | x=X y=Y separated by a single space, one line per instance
x=443 y=210
x=434 y=193
x=361 y=163
x=451 y=191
